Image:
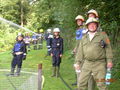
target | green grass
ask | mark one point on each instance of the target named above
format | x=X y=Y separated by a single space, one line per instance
x=36 y=57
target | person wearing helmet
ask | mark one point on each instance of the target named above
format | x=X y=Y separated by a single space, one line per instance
x=56 y=51
x=19 y=54
x=95 y=53
x=35 y=41
x=27 y=40
x=40 y=39
x=79 y=33
x=48 y=38
x=93 y=14
x=80 y=30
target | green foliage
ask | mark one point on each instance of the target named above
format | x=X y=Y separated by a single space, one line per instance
x=7 y=37
x=61 y=13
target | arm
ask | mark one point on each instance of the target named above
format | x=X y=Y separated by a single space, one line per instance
x=61 y=46
x=79 y=55
x=24 y=51
x=109 y=55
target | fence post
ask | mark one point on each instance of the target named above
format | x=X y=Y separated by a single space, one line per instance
x=39 y=76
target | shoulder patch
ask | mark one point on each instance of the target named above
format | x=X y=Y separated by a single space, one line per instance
x=107 y=40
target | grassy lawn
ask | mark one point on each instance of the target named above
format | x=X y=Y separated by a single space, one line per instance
x=36 y=57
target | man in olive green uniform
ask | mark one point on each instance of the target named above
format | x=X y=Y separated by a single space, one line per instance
x=92 y=14
x=79 y=33
x=95 y=53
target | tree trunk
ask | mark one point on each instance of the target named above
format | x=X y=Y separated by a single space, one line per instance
x=22 y=13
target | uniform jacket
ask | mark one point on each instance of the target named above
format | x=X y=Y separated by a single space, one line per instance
x=92 y=50
x=57 y=46
x=20 y=46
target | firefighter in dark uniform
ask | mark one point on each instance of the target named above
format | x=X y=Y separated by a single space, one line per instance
x=35 y=41
x=56 y=52
x=40 y=39
x=48 y=38
x=19 y=54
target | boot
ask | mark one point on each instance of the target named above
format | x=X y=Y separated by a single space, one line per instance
x=57 y=72
x=12 y=72
x=54 y=72
x=18 y=72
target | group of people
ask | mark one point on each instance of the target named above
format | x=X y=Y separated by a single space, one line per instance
x=54 y=46
x=93 y=53
x=36 y=39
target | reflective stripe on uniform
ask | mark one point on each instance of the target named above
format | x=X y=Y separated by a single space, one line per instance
x=49 y=49
x=19 y=53
x=48 y=46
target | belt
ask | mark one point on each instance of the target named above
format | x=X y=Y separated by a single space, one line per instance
x=94 y=60
x=56 y=48
x=18 y=53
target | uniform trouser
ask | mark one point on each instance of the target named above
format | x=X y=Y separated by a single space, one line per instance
x=17 y=61
x=56 y=60
x=91 y=82
x=98 y=68
x=40 y=43
x=35 y=44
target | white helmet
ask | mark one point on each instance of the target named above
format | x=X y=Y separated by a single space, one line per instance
x=93 y=11
x=19 y=33
x=49 y=30
x=56 y=30
x=90 y=20
x=80 y=17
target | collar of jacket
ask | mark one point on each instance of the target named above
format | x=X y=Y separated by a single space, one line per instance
x=96 y=34
x=58 y=36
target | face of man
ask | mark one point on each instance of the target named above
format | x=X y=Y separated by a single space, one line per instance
x=20 y=38
x=91 y=15
x=56 y=33
x=92 y=27
x=79 y=22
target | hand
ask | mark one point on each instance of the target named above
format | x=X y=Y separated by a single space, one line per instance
x=24 y=57
x=77 y=67
x=109 y=65
x=74 y=51
x=60 y=55
x=51 y=55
